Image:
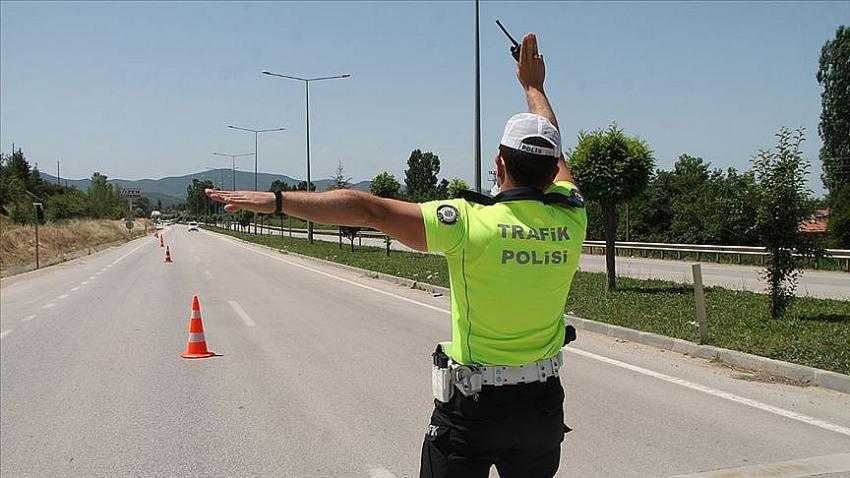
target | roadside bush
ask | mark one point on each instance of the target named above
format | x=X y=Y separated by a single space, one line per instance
x=69 y=205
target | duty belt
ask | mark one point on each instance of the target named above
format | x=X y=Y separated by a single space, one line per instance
x=469 y=378
x=533 y=372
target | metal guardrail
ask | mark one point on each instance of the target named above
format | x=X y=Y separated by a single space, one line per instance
x=674 y=250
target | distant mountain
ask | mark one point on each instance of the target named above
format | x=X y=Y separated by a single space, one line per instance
x=172 y=190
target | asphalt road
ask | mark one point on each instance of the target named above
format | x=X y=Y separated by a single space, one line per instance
x=325 y=373
x=823 y=284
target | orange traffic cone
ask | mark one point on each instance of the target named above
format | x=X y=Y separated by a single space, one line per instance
x=161 y=244
x=197 y=345
x=167 y=254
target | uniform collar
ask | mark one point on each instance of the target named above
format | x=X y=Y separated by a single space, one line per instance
x=524 y=193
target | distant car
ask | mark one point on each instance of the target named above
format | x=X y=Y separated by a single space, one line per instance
x=193 y=226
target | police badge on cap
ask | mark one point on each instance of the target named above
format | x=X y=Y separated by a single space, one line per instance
x=447 y=214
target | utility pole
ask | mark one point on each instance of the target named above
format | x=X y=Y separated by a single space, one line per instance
x=58 y=177
x=38 y=207
x=477 y=154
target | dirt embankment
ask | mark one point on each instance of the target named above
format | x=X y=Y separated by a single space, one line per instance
x=58 y=242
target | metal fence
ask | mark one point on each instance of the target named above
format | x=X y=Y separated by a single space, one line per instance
x=643 y=249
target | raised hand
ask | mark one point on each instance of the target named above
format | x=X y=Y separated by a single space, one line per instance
x=256 y=201
x=531 y=71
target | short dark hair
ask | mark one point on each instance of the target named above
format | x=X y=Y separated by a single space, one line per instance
x=529 y=169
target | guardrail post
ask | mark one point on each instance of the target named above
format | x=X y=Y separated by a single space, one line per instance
x=699 y=302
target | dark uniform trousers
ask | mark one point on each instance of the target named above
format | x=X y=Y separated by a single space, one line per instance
x=518 y=428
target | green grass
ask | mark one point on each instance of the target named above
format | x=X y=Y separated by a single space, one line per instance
x=814 y=332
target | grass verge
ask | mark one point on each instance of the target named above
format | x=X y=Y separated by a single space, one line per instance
x=814 y=332
x=56 y=241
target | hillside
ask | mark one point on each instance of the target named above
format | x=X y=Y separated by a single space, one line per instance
x=172 y=190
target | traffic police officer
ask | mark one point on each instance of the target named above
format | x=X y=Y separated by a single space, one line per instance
x=511 y=259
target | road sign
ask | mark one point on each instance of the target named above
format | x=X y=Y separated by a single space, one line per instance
x=131 y=192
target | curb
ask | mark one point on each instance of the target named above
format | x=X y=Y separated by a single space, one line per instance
x=797 y=374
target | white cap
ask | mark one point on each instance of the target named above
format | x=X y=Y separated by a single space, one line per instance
x=529 y=125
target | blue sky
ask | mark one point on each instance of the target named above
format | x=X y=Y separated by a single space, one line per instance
x=145 y=89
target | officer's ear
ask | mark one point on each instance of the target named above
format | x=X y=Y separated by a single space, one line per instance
x=501 y=170
x=554 y=172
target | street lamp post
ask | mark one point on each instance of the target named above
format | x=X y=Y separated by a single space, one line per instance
x=256 y=143
x=307 y=82
x=219 y=185
x=233 y=165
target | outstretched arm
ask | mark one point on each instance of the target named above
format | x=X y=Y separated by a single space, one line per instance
x=399 y=219
x=531 y=72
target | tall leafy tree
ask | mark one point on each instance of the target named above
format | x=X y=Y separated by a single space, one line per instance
x=834 y=76
x=783 y=202
x=197 y=203
x=455 y=186
x=420 y=178
x=385 y=185
x=103 y=199
x=611 y=168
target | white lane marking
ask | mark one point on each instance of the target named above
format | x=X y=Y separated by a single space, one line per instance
x=63 y=296
x=717 y=393
x=116 y=261
x=5 y=333
x=241 y=313
x=28 y=318
x=381 y=473
x=208 y=274
x=48 y=305
x=73 y=289
x=84 y=282
x=818 y=465
x=357 y=284
x=702 y=388
x=93 y=277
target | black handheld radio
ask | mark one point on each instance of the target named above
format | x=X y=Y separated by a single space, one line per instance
x=516 y=46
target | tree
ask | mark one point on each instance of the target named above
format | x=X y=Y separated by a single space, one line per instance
x=159 y=205
x=197 y=203
x=14 y=180
x=442 y=191
x=455 y=186
x=278 y=185
x=611 y=168
x=385 y=185
x=420 y=178
x=834 y=76
x=783 y=202
x=143 y=203
x=302 y=186
x=103 y=199
x=68 y=205
x=839 y=218
x=340 y=180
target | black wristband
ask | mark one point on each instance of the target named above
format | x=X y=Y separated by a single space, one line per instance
x=278 y=203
